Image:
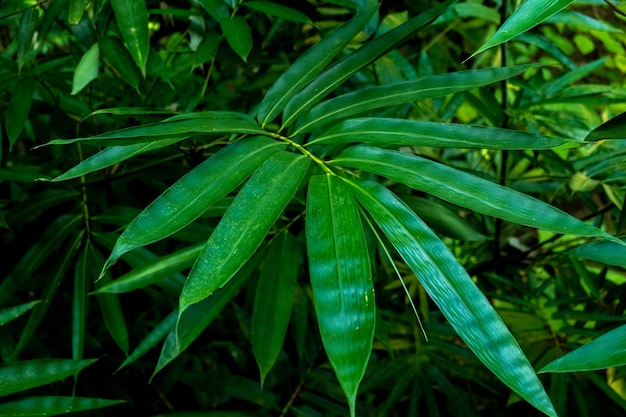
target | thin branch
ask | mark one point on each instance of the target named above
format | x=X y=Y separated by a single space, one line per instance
x=615 y=8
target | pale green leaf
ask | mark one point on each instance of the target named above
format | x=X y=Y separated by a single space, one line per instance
x=376 y=97
x=445 y=135
x=190 y=196
x=76 y=11
x=465 y=190
x=307 y=66
x=132 y=19
x=87 y=69
x=255 y=209
x=607 y=351
x=528 y=15
x=238 y=35
x=341 y=279
x=330 y=79
x=454 y=292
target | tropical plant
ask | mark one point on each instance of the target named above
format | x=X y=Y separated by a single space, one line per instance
x=294 y=185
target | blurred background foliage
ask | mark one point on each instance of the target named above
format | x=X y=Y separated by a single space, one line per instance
x=63 y=60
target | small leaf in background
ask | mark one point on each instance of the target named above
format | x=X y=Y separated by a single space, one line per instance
x=607 y=351
x=278 y=10
x=207 y=49
x=87 y=69
x=528 y=15
x=580 y=182
x=118 y=59
x=216 y=8
x=12 y=313
x=132 y=19
x=609 y=253
x=255 y=209
x=341 y=279
x=614 y=128
x=238 y=35
x=19 y=107
x=52 y=406
x=20 y=376
x=77 y=9
x=273 y=301
x=25 y=33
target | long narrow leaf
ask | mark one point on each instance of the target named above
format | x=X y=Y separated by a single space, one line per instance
x=20 y=376
x=607 y=351
x=404 y=92
x=344 y=69
x=244 y=226
x=466 y=190
x=52 y=406
x=190 y=196
x=341 y=279
x=527 y=16
x=132 y=19
x=307 y=66
x=9 y=314
x=453 y=290
x=444 y=135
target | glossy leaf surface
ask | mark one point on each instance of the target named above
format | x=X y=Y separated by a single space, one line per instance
x=465 y=190
x=255 y=209
x=12 y=313
x=614 y=128
x=418 y=133
x=454 y=292
x=609 y=253
x=132 y=19
x=20 y=376
x=341 y=279
x=190 y=196
x=52 y=406
x=238 y=35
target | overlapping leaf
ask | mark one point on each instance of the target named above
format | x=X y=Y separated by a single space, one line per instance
x=371 y=98
x=132 y=19
x=245 y=224
x=465 y=190
x=453 y=290
x=188 y=198
x=341 y=280
x=419 y=133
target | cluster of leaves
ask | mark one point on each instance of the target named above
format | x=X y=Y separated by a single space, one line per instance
x=311 y=180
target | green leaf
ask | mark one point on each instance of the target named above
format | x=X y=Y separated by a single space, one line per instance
x=452 y=289
x=528 y=15
x=341 y=279
x=216 y=8
x=12 y=313
x=273 y=301
x=77 y=9
x=20 y=376
x=238 y=35
x=19 y=107
x=29 y=24
x=607 y=351
x=153 y=272
x=52 y=406
x=169 y=129
x=308 y=65
x=278 y=10
x=111 y=156
x=609 y=253
x=132 y=19
x=79 y=304
x=614 y=128
x=444 y=135
x=404 y=92
x=87 y=69
x=190 y=196
x=348 y=66
x=117 y=57
x=574 y=75
x=465 y=190
x=255 y=209
x=207 y=48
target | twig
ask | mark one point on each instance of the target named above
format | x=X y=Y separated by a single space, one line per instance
x=615 y=8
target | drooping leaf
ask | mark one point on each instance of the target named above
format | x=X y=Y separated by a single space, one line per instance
x=609 y=253
x=190 y=196
x=238 y=35
x=169 y=129
x=20 y=376
x=370 y=98
x=132 y=19
x=307 y=66
x=14 y=312
x=574 y=75
x=255 y=209
x=341 y=279
x=52 y=406
x=87 y=69
x=607 y=351
x=418 y=133
x=278 y=10
x=330 y=79
x=614 y=128
x=273 y=301
x=528 y=15
x=454 y=292
x=465 y=190
x=19 y=107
